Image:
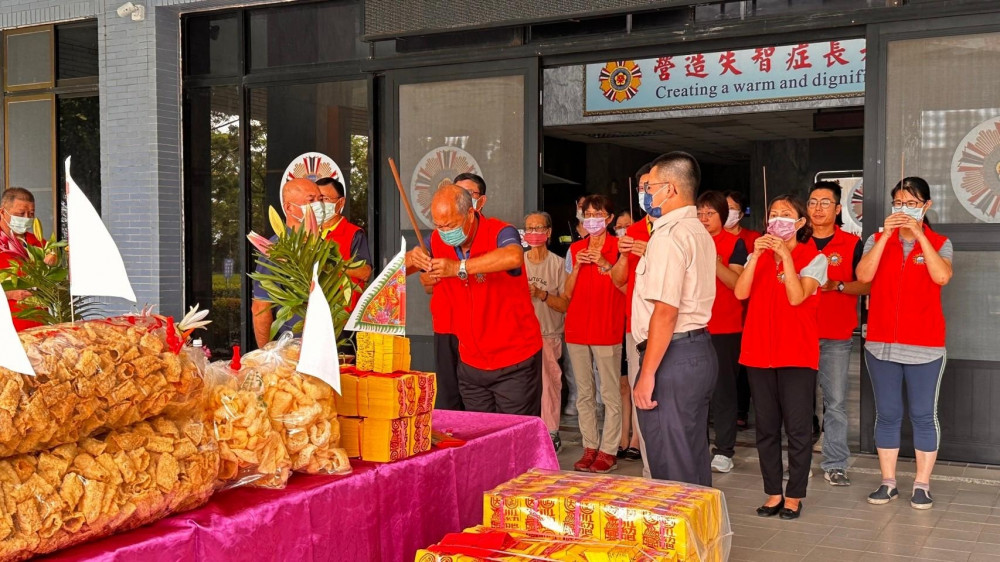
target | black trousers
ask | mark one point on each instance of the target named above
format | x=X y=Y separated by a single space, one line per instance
x=511 y=390
x=675 y=430
x=446 y=360
x=784 y=397
x=727 y=350
x=742 y=393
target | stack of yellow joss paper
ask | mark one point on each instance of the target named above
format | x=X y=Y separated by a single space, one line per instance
x=483 y=543
x=385 y=417
x=383 y=353
x=675 y=521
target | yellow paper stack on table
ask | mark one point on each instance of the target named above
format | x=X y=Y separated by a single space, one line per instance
x=383 y=353
x=687 y=522
x=483 y=543
x=386 y=417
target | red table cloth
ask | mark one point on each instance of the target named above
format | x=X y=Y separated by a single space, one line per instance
x=381 y=512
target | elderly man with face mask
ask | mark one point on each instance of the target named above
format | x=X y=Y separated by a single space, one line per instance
x=297 y=197
x=17 y=216
x=480 y=263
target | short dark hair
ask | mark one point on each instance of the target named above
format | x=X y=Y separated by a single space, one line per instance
x=598 y=202
x=737 y=197
x=12 y=194
x=645 y=169
x=474 y=178
x=337 y=186
x=716 y=201
x=830 y=186
x=804 y=233
x=682 y=166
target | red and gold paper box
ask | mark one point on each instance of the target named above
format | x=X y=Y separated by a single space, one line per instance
x=426 y=392
x=420 y=435
x=387 y=396
x=385 y=440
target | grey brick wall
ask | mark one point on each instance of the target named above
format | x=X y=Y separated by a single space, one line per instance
x=141 y=163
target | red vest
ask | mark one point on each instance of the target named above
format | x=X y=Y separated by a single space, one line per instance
x=777 y=334
x=727 y=310
x=749 y=237
x=838 y=312
x=492 y=315
x=596 y=314
x=905 y=303
x=6 y=260
x=639 y=231
x=343 y=235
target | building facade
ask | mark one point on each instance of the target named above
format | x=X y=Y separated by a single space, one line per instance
x=203 y=105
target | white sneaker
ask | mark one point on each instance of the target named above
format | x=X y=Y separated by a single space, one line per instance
x=722 y=463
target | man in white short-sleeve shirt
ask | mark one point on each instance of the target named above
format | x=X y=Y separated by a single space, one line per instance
x=674 y=292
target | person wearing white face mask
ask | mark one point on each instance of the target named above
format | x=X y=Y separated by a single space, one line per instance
x=907 y=264
x=297 y=198
x=780 y=348
x=17 y=216
x=350 y=238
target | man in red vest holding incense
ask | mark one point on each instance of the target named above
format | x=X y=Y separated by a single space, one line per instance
x=17 y=216
x=350 y=238
x=480 y=263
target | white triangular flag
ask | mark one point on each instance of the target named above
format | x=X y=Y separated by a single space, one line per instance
x=96 y=268
x=12 y=355
x=319 y=356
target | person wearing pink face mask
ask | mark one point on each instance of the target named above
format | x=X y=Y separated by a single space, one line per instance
x=595 y=326
x=547 y=280
x=780 y=348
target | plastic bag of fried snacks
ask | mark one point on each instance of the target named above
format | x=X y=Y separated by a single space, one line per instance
x=301 y=407
x=92 y=376
x=121 y=480
x=252 y=452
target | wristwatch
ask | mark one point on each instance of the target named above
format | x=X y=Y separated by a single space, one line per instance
x=462 y=274
x=840 y=286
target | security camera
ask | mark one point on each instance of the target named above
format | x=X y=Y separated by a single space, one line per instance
x=137 y=11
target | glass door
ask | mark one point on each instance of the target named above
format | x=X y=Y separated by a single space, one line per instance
x=445 y=121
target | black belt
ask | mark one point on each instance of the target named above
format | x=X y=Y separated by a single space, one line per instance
x=677 y=336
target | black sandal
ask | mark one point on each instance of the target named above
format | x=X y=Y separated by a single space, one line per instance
x=770 y=510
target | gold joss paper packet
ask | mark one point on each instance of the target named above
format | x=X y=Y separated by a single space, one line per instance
x=122 y=480
x=385 y=440
x=92 y=376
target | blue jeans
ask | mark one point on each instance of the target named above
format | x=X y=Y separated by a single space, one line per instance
x=923 y=382
x=834 y=361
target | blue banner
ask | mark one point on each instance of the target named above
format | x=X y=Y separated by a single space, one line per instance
x=805 y=71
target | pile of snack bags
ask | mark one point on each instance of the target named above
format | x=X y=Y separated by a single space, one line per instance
x=124 y=425
x=385 y=416
x=572 y=516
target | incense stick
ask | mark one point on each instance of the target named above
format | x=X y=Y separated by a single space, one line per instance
x=406 y=204
x=763 y=172
x=631 y=217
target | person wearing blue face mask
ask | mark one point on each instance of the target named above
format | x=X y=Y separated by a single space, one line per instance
x=906 y=263
x=478 y=263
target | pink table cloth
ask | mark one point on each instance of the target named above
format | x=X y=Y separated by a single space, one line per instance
x=381 y=512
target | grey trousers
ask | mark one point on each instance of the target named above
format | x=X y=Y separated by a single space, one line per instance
x=676 y=430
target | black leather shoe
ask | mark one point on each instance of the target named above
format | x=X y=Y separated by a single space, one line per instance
x=789 y=514
x=770 y=511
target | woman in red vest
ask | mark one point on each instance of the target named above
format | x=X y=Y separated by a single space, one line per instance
x=595 y=326
x=781 y=348
x=907 y=264
x=726 y=325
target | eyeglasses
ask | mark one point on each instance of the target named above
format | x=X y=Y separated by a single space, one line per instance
x=898 y=204
x=821 y=203
x=706 y=214
x=537 y=229
x=644 y=187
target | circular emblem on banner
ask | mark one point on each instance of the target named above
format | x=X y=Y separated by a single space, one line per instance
x=620 y=80
x=975 y=171
x=851 y=214
x=312 y=166
x=438 y=167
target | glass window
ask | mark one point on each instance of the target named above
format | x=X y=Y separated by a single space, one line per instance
x=213 y=45
x=76 y=49
x=28 y=59
x=215 y=242
x=289 y=120
x=30 y=142
x=78 y=121
x=947 y=135
x=972 y=307
x=309 y=34
x=450 y=127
